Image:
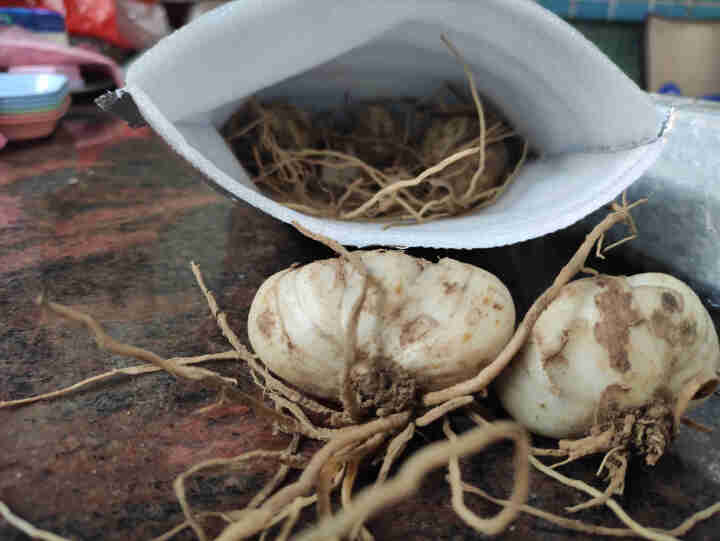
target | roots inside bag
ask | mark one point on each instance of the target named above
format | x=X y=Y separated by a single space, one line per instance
x=394 y=160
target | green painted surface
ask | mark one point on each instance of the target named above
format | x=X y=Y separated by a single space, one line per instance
x=623 y=43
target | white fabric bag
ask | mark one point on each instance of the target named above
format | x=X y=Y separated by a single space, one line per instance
x=596 y=130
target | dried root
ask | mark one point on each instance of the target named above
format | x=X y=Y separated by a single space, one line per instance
x=224 y=464
x=633 y=528
x=255 y=520
x=408 y=479
x=443 y=409
x=498 y=523
x=645 y=432
x=27 y=528
x=129 y=371
x=108 y=343
x=639 y=530
x=359 y=531
x=394 y=450
x=580 y=526
x=279 y=477
x=184 y=525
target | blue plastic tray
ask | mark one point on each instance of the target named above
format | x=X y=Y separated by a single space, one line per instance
x=30 y=92
x=31 y=85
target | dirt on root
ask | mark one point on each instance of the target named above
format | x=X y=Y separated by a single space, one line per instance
x=646 y=431
x=383 y=389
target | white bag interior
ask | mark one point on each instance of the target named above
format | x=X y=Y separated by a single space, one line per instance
x=596 y=131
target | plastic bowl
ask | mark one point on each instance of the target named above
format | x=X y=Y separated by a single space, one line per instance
x=32 y=125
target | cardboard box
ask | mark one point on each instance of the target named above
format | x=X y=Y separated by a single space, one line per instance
x=684 y=53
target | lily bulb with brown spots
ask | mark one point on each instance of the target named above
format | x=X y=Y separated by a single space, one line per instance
x=614 y=351
x=394 y=317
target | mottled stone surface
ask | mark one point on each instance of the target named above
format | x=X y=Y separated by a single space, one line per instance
x=106 y=219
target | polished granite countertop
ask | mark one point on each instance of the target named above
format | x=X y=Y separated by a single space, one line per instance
x=106 y=219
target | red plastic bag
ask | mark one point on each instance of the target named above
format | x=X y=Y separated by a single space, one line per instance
x=96 y=18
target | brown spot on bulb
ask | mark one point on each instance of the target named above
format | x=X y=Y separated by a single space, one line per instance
x=617 y=315
x=450 y=287
x=670 y=302
x=266 y=323
x=675 y=333
x=414 y=330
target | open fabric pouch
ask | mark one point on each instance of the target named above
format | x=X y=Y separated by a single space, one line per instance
x=594 y=131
